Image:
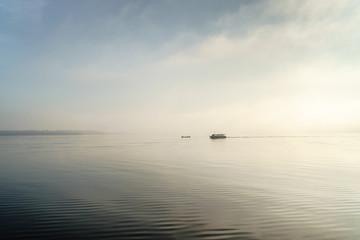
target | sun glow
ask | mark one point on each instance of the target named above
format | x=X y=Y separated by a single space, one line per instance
x=329 y=114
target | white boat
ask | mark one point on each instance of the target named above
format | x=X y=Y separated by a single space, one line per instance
x=217 y=135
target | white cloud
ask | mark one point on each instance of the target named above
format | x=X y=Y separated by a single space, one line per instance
x=288 y=70
x=288 y=75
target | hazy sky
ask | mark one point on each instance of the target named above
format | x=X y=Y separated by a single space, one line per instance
x=183 y=67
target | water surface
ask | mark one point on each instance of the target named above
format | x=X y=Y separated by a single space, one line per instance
x=123 y=187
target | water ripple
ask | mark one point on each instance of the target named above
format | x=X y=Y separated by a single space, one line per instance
x=243 y=188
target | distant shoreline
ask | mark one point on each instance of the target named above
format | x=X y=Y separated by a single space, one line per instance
x=46 y=132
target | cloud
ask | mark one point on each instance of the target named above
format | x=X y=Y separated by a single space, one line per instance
x=285 y=75
x=270 y=66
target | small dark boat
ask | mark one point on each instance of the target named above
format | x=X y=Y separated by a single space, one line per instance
x=185 y=136
x=217 y=136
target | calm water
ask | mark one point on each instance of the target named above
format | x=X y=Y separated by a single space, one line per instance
x=115 y=187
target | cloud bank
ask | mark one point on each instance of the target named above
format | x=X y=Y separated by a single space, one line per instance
x=252 y=67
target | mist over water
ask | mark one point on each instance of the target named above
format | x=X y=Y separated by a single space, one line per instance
x=153 y=187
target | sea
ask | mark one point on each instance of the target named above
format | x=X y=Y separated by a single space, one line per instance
x=116 y=186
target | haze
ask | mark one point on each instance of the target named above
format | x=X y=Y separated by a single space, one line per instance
x=182 y=67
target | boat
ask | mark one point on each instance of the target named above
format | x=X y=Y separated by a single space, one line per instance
x=217 y=136
x=185 y=136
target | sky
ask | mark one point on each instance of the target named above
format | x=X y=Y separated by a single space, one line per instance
x=181 y=67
